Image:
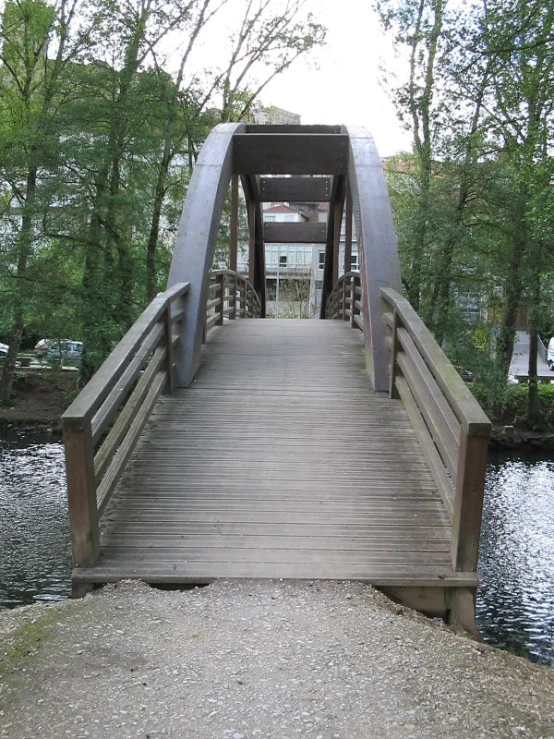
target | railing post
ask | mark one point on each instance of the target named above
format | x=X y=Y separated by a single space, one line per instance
x=346 y=284
x=395 y=348
x=468 y=500
x=169 y=349
x=353 y=301
x=244 y=299
x=81 y=493
x=220 y=279
x=232 y=297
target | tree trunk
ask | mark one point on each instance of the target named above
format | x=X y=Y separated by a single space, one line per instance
x=24 y=251
x=151 y=277
x=533 y=395
x=513 y=291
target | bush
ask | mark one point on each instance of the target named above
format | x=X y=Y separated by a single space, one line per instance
x=509 y=406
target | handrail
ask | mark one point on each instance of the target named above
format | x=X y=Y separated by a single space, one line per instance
x=119 y=397
x=345 y=300
x=452 y=428
x=103 y=424
x=230 y=295
x=451 y=425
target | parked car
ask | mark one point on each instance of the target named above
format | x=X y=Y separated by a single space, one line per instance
x=4 y=350
x=41 y=349
x=65 y=349
x=59 y=349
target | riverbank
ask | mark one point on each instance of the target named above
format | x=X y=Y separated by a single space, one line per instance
x=258 y=659
x=514 y=437
x=39 y=398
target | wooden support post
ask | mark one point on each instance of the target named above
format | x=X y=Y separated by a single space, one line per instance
x=81 y=492
x=395 y=348
x=252 y=242
x=461 y=611
x=220 y=279
x=468 y=501
x=234 y=222
x=80 y=589
x=348 y=231
x=232 y=297
x=169 y=363
x=336 y=241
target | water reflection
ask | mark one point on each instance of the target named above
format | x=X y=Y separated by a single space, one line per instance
x=34 y=537
x=515 y=607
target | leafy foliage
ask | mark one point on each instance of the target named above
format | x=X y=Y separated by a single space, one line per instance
x=474 y=202
x=97 y=143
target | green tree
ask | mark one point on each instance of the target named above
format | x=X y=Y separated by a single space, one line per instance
x=32 y=93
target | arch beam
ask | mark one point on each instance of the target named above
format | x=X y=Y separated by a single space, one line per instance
x=196 y=241
x=377 y=246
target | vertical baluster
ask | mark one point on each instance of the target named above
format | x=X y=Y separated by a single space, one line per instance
x=220 y=279
x=395 y=348
x=232 y=297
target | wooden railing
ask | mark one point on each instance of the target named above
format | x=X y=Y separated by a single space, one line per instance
x=452 y=428
x=230 y=296
x=102 y=425
x=345 y=300
x=104 y=422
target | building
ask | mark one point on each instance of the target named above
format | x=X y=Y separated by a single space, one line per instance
x=294 y=272
x=272 y=115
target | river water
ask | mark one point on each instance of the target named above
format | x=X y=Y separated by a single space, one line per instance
x=516 y=596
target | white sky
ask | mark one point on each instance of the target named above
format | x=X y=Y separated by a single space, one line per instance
x=339 y=83
x=347 y=87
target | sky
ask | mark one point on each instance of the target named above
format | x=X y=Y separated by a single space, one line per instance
x=347 y=87
x=339 y=83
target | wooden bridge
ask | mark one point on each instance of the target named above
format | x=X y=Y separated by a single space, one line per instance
x=216 y=443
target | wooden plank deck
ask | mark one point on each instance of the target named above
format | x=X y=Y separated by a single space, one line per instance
x=278 y=461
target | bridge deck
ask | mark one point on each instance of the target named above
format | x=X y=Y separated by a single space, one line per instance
x=279 y=461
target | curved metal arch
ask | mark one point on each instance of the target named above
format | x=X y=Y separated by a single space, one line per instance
x=196 y=240
x=377 y=247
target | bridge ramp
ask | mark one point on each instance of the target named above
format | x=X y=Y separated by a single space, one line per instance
x=279 y=461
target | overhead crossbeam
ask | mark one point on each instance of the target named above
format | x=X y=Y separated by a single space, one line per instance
x=286 y=128
x=295 y=233
x=290 y=153
x=295 y=189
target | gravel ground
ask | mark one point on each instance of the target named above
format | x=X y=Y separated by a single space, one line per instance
x=269 y=659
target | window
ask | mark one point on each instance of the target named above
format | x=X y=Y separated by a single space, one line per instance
x=354 y=261
x=283 y=260
x=321 y=263
x=269 y=218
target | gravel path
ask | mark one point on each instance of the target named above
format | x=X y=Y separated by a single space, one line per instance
x=267 y=659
